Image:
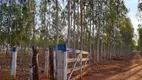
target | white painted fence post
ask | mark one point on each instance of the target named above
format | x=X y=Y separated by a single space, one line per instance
x=59 y=62
x=14 y=63
x=65 y=62
x=62 y=62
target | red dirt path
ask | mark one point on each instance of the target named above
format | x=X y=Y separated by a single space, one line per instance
x=126 y=68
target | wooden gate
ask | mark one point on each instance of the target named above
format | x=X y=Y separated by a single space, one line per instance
x=71 y=64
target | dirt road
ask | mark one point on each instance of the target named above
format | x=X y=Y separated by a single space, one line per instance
x=124 y=68
x=129 y=68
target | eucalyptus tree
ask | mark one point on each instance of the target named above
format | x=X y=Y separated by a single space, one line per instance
x=81 y=36
x=69 y=26
x=1 y=26
x=8 y=13
x=96 y=24
x=139 y=15
x=98 y=27
x=74 y=26
x=126 y=31
x=6 y=23
x=2 y=31
x=113 y=11
x=44 y=16
x=33 y=12
x=140 y=37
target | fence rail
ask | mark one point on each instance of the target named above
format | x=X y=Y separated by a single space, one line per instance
x=74 y=60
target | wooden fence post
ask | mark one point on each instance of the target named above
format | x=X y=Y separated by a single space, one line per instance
x=46 y=62
x=81 y=64
x=51 y=62
x=31 y=70
x=62 y=62
x=34 y=66
x=14 y=63
x=55 y=62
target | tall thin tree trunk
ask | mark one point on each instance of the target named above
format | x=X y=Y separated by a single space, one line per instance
x=68 y=36
x=93 y=48
x=98 y=35
x=81 y=38
x=57 y=30
x=83 y=30
x=90 y=30
x=74 y=39
x=57 y=36
x=33 y=42
x=78 y=42
x=71 y=40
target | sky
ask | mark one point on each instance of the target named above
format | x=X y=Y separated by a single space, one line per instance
x=132 y=6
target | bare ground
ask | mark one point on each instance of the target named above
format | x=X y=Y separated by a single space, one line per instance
x=126 y=68
x=23 y=70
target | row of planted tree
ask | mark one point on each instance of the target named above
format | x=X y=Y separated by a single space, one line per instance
x=100 y=25
x=140 y=25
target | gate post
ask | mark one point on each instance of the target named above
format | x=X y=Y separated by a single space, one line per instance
x=14 y=63
x=62 y=62
x=65 y=62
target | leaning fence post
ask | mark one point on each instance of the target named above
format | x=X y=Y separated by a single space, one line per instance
x=62 y=62
x=14 y=63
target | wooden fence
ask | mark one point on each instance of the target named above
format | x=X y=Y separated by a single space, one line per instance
x=71 y=62
x=63 y=63
x=78 y=63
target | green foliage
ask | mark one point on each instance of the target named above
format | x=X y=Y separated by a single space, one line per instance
x=140 y=37
x=30 y=24
x=140 y=6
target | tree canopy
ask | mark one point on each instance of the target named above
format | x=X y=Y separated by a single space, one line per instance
x=93 y=25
